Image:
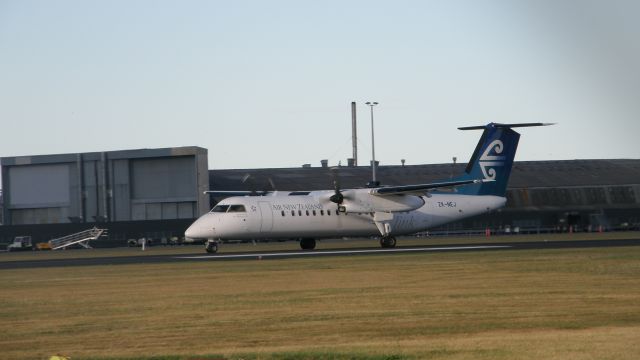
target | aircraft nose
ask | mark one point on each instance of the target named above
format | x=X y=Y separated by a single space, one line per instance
x=190 y=232
x=198 y=230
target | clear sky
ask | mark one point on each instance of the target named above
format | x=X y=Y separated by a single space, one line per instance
x=269 y=83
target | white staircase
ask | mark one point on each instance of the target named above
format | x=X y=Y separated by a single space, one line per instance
x=82 y=238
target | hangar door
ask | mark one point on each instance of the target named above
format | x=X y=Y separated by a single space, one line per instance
x=163 y=188
x=39 y=194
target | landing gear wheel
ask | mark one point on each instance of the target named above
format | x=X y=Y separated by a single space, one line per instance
x=388 y=242
x=308 y=244
x=211 y=246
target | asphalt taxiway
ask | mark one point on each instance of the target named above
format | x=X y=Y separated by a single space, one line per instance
x=266 y=255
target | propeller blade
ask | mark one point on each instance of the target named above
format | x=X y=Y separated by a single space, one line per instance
x=337 y=197
x=273 y=184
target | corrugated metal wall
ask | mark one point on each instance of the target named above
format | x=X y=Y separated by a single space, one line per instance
x=149 y=184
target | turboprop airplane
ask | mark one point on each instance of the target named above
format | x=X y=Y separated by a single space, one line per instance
x=384 y=211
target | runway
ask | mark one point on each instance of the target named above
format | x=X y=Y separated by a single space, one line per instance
x=201 y=256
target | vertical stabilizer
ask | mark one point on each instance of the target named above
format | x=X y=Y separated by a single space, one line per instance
x=492 y=158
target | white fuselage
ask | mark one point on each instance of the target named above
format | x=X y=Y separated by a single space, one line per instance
x=284 y=216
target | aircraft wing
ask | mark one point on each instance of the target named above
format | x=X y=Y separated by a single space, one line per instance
x=422 y=188
x=220 y=193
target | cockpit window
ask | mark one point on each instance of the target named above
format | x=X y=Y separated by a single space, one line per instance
x=236 y=208
x=220 y=208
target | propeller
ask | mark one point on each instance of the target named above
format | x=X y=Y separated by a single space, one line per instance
x=337 y=197
x=249 y=180
x=269 y=184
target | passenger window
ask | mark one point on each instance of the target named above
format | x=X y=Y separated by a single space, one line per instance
x=220 y=208
x=314 y=213
x=293 y=213
x=299 y=212
x=321 y=212
x=307 y=212
x=329 y=212
x=282 y=212
x=236 y=208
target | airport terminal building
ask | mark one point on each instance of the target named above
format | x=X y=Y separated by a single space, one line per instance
x=157 y=193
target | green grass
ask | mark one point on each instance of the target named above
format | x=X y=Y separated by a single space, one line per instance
x=551 y=304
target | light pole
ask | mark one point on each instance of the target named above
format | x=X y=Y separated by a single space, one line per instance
x=374 y=181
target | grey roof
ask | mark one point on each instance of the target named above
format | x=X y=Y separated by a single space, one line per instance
x=575 y=173
x=525 y=174
x=112 y=155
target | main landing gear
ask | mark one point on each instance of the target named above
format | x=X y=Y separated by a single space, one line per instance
x=308 y=244
x=211 y=246
x=388 y=242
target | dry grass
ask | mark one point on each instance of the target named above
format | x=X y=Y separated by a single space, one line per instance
x=552 y=304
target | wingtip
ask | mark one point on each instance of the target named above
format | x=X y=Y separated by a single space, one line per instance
x=479 y=127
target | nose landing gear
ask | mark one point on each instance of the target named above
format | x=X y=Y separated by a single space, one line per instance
x=211 y=246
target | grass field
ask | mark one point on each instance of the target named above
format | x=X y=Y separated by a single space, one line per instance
x=545 y=304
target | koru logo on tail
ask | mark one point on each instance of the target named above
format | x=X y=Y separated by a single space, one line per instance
x=488 y=161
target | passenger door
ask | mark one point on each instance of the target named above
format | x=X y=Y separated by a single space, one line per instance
x=266 y=224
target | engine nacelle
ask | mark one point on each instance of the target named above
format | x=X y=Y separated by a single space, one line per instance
x=364 y=202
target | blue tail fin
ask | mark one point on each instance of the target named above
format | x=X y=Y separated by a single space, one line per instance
x=492 y=159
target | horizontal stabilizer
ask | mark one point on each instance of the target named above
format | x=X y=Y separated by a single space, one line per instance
x=482 y=127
